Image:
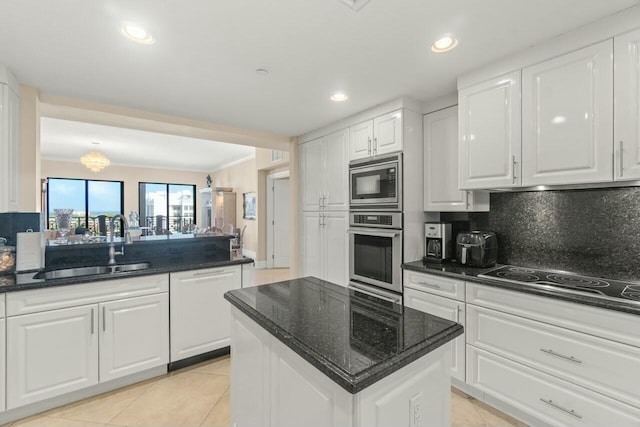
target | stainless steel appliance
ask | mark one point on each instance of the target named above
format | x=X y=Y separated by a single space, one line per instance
x=567 y=282
x=438 y=243
x=375 y=250
x=376 y=183
x=477 y=248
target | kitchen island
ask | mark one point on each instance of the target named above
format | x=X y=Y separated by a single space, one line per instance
x=308 y=352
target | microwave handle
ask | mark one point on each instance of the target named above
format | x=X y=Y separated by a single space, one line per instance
x=376 y=233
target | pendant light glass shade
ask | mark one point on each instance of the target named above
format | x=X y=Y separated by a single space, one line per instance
x=95 y=161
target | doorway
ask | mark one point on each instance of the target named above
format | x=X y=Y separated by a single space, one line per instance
x=278 y=220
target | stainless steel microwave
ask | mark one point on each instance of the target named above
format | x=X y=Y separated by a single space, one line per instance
x=376 y=184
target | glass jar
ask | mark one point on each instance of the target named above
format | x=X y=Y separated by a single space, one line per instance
x=7 y=256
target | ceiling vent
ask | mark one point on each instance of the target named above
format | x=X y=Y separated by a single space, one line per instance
x=355 y=4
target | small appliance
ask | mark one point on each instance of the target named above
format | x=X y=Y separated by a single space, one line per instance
x=376 y=184
x=477 y=248
x=438 y=243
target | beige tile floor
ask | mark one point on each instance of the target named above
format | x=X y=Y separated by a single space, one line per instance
x=200 y=396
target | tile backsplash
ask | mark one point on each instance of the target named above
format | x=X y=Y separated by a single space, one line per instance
x=593 y=232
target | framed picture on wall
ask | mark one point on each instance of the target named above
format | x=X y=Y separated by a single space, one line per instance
x=249 y=209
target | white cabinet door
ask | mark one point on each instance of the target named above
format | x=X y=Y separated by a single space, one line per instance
x=134 y=335
x=627 y=105
x=335 y=247
x=336 y=173
x=311 y=245
x=200 y=319
x=311 y=165
x=51 y=353
x=9 y=148
x=361 y=140
x=387 y=133
x=248 y=275
x=567 y=130
x=3 y=365
x=489 y=134
x=447 y=309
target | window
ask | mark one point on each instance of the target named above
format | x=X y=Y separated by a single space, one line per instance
x=276 y=155
x=93 y=202
x=167 y=207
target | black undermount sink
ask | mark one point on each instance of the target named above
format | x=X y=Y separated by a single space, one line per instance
x=91 y=271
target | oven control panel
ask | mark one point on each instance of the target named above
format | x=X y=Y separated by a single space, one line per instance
x=376 y=219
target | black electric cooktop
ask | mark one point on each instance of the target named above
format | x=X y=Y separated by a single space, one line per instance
x=601 y=288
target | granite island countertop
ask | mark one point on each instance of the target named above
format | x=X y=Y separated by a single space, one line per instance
x=461 y=272
x=354 y=339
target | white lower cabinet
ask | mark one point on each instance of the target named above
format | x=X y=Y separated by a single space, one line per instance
x=325 y=246
x=93 y=336
x=134 y=335
x=3 y=365
x=447 y=309
x=544 y=396
x=51 y=353
x=200 y=319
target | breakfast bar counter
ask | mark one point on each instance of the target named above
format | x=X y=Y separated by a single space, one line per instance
x=308 y=352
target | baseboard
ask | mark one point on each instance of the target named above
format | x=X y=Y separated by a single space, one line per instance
x=194 y=360
x=74 y=396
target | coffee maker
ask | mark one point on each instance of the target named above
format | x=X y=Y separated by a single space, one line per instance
x=438 y=242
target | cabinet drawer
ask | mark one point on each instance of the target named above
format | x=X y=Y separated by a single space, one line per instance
x=601 y=365
x=2 y=303
x=37 y=300
x=436 y=285
x=610 y=324
x=548 y=398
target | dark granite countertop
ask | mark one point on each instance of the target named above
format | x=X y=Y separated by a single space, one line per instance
x=457 y=271
x=26 y=281
x=353 y=339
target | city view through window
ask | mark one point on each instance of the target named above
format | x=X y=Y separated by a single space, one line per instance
x=167 y=207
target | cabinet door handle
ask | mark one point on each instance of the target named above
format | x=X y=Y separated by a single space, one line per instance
x=562 y=356
x=104 y=318
x=431 y=285
x=92 y=321
x=375 y=146
x=369 y=146
x=621 y=159
x=566 y=411
x=324 y=201
x=468 y=195
x=514 y=164
x=458 y=310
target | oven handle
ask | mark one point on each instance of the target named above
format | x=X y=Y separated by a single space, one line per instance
x=395 y=300
x=374 y=232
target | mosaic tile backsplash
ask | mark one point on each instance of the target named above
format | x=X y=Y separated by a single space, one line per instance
x=592 y=232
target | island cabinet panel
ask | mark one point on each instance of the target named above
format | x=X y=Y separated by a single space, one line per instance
x=3 y=364
x=51 y=353
x=134 y=335
x=200 y=320
x=546 y=397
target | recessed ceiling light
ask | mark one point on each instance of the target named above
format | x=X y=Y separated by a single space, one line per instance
x=262 y=72
x=136 y=33
x=339 y=97
x=95 y=143
x=355 y=4
x=444 y=44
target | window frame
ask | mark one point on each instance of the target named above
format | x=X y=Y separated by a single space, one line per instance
x=167 y=184
x=86 y=196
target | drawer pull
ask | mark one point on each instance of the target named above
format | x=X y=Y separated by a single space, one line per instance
x=431 y=285
x=562 y=356
x=566 y=411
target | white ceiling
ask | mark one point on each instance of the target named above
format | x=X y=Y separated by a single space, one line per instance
x=203 y=63
x=68 y=141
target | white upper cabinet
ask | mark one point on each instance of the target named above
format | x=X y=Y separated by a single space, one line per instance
x=567 y=109
x=627 y=106
x=360 y=140
x=441 y=193
x=9 y=146
x=489 y=134
x=379 y=136
x=387 y=133
x=324 y=172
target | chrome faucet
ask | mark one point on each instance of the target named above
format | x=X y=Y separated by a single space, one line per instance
x=127 y=238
